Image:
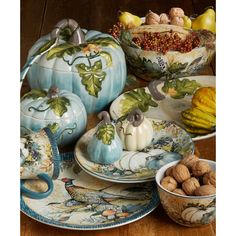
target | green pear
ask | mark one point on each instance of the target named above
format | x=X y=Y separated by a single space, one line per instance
x=187 y=22
x=205 y=21
x=129 y=20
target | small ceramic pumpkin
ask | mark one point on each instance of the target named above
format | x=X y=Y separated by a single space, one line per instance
x=105 y=146
x=60 y=110
x=135 y=132
x=90 y=64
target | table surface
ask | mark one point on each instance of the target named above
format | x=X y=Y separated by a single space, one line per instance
x=37 y=19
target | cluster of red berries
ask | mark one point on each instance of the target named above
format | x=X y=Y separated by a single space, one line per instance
x=116 y=29
x=163 y=43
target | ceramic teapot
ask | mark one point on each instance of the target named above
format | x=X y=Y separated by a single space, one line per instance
x=90 y=64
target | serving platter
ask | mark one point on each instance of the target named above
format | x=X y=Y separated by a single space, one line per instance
x=82 y=202
x=169 y=108
x=169 y=143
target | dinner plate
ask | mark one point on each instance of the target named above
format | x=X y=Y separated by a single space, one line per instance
x=105 y=205
x=168 y=108
x=169 y=143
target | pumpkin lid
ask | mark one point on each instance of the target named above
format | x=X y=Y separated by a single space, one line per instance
x=76 y=49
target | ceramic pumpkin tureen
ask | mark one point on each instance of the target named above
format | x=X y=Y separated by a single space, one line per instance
x=60 y=110
x=90 y=64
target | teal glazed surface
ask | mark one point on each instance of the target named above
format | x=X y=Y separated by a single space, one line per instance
x=67 y=128
x=102 y=153
x=63 y=72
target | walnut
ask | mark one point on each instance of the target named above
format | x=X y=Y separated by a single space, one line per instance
x=179 y=191
x=169 y=171
x=176 y=12
x=205 y=190
x=180 y=173
x=190 y=185
x=152 y=18
x=200 y=168
x=164 y=18
x=177 y=21
x=189 y=160
x=210 y=178
x=169 y=183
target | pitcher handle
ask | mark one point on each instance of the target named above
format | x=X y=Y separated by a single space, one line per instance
x=38 y=195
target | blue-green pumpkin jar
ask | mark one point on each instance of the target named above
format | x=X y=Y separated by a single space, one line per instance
x=90 y=64
x=105 y=147
x=60 y=110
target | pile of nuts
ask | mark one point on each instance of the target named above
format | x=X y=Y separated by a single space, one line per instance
x=175 y=17
x=167 y=42
x=191 y=176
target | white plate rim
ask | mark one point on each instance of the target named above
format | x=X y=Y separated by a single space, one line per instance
x=198 y=137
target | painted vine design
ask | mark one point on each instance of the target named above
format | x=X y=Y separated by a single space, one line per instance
x=92 y=74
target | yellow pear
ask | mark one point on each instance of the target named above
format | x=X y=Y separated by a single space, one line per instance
x=205 y=21
x=187 y=22
x=129 y=20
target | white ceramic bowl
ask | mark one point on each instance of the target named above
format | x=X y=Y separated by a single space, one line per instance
x=191 y=211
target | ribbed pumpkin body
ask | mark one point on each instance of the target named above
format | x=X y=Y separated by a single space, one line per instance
x=64 y=114
x=95 y=70
x=105 y=146
x=102 y=153
x=135 y=138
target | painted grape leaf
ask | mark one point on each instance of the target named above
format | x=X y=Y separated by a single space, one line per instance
x=62 y=49
x=136 y=99
x=177 y=67
x=107 y=57
x=35 y=94
x=104 y=42
x=45 y=47
x=106 y=133
x=53 y=127
x=178 y=89
x=92 y=77
x=59 y=105
x=126 y=38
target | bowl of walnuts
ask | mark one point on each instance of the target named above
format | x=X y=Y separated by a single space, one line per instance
x=187 y=190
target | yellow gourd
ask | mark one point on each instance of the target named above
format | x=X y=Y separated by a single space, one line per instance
x=201 y=117
x=205 y=99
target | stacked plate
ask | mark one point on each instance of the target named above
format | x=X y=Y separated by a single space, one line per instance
x=169 y=143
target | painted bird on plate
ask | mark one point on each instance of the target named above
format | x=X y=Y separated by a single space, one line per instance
x=92 y=196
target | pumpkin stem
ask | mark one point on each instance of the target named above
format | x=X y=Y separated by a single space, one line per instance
x=77 y=35
x=104 y=117
x=53 y=92
x=152 y=87
x=136 y=117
